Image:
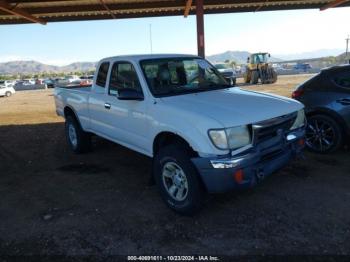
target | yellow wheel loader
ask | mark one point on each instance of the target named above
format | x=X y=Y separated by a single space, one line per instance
x=257 y=68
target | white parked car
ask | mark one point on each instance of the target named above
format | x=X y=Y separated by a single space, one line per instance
x=8 y=83
x=203 y=134
x=73 y=79
x=69 y=80
x=28 y=82
x=6 y=91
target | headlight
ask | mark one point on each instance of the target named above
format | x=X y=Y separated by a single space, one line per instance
x=299 y=121
x=218 y=137
x=238 y=137
x=230 y=138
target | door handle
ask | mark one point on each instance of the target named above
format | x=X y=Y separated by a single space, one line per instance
x=107 y=105
x=344 y=101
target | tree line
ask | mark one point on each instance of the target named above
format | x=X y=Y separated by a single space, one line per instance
x=43 y=75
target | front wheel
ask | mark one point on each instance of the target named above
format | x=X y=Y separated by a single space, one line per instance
x=177 y=180
x=323 y=134
x=8 y=94
x=233 y=81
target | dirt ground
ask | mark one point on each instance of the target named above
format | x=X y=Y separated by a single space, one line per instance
x=56 y=203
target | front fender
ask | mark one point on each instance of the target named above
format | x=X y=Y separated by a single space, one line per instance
x=198 y=140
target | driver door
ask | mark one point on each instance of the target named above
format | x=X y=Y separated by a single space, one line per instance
x=126 y=117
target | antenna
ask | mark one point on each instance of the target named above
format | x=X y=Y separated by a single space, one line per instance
x=150 y=37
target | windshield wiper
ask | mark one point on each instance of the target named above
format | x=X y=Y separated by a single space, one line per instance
x=213 y=86
x=185 y=90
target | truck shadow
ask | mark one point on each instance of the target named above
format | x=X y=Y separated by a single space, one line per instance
x=56 y=202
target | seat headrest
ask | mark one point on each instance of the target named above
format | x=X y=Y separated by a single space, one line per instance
x=163 y=74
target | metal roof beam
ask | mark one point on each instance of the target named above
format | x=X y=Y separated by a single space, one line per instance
x=333 y=4
x=259 y=7
x=187 y=8
x=4 y=6
x=103 y=3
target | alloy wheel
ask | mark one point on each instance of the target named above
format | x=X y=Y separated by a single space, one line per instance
x=175 y=181
x=72 y=135
x=320 y=135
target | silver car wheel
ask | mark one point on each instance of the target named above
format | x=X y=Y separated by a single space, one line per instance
x=175 y=181
x=72 y=135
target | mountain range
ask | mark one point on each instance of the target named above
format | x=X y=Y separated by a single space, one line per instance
x=240 y=57
x=30 y=67
x=311 y=54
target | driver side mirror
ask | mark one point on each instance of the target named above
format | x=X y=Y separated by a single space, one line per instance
x=130 y=94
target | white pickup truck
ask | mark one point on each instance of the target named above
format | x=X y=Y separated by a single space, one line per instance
x=203 y=135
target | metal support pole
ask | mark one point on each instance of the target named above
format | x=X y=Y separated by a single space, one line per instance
x=200 y=28
x=347 y=50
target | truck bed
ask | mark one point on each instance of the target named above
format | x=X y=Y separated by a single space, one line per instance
x=73 y=96
x=76 y=87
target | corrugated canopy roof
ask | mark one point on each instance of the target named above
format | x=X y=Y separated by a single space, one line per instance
x=43 y=11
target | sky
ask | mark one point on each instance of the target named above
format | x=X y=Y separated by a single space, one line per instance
x=278 y=32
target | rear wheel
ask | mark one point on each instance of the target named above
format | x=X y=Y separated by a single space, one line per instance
x=274 y=77
x=177 y=180
x=8 y=94
x=78 y=140
x=323 y=134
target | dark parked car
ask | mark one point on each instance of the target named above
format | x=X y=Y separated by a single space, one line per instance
x=303 y=67
x=326 y=97
x=50 y=83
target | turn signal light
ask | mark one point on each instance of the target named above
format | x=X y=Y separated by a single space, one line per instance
x=239 y=176
x=301 y=142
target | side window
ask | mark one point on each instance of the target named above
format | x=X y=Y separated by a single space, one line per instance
x=343 y=79
x=123 y=75
x=102 y=74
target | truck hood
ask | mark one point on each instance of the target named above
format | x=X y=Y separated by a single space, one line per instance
x=233 y=106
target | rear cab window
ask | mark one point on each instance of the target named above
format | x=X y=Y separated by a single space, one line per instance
x=102 y=74
x=123 y=75
x=343 y=79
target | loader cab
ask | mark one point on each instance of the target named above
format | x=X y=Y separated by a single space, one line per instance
x=258 y=58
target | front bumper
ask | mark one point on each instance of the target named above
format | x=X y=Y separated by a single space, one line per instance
x=231 y=80
x=219 y=174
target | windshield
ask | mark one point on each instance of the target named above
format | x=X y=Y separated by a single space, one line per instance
x=172 y=76
x=222 y=66
x=259 y=58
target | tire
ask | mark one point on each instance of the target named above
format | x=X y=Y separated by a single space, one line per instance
x=78 y=140
x=254 y=77
x=8 y=94
x=233 y=81
x=172 y=168
x=247 y=76
x=274 y=77
x=323 y=134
